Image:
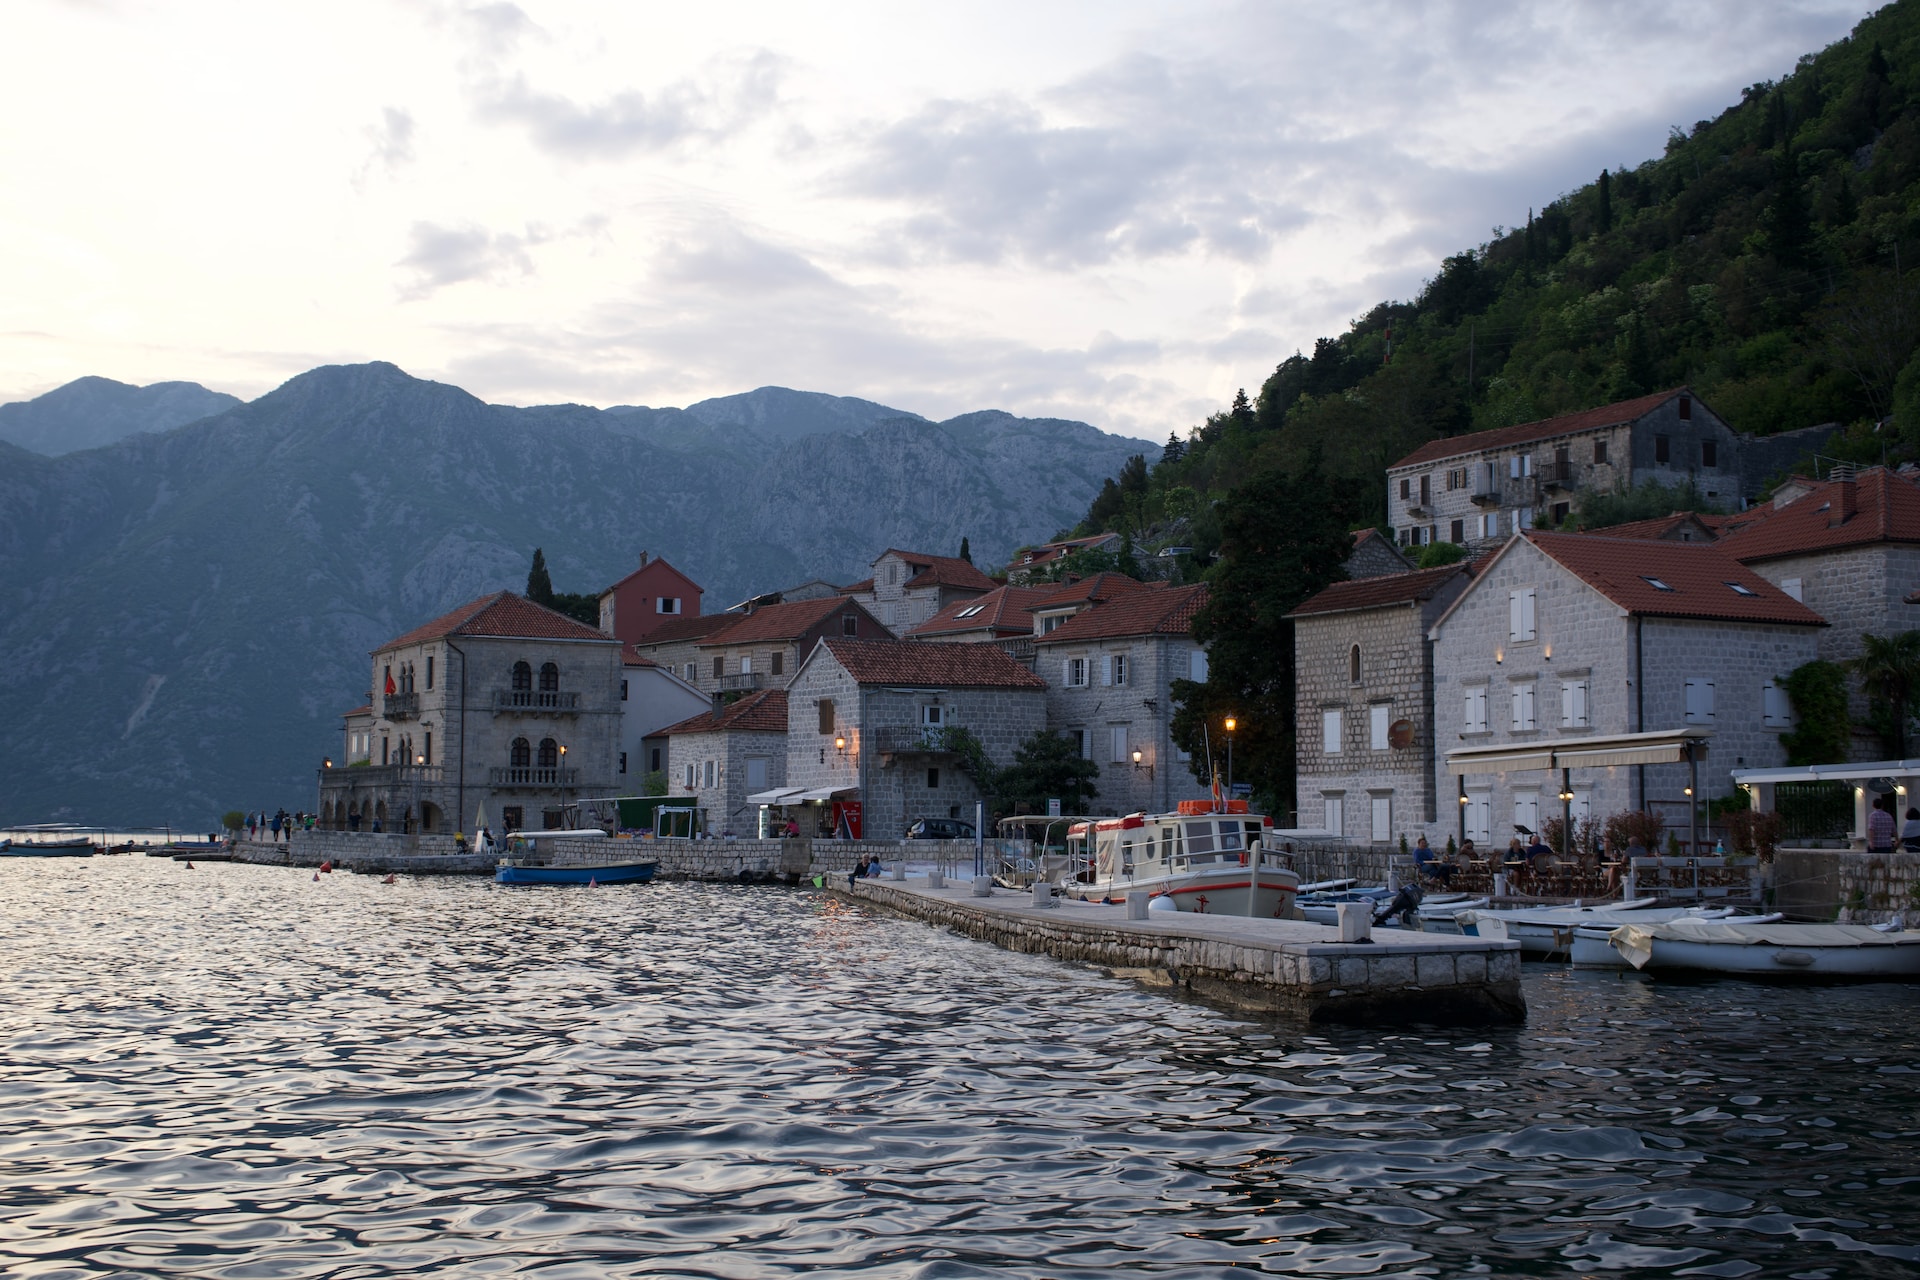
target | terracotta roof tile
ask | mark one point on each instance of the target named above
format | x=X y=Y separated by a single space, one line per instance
x=945 y=571
x=1048 y=552
x=762 y=712
x=775 y=622
x=1673 y=579
x=359 y=711
x=681 y=629
x=1878 y=506
x=1168 y=611
x=501 y=614
x=1094 y=587
x=1374 y=593
x=635 y=660
x=1659 y=528
x=1004 y=609
x=855 y=588
x=911 y=662
x=1607 y=415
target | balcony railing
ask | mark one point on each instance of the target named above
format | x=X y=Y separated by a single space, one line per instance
x=400 y=706
x=744 y=682
x=517 y=776
x=900 y=739
x=1555 y=475
x=1523 y=491
x=382 y=775
x=535 y=700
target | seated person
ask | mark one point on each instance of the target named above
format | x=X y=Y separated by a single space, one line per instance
x=1910 y=833
x=1537 y=854
x=1430 y=863
x=1515 y=858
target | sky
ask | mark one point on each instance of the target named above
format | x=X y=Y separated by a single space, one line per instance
x=1113 y=211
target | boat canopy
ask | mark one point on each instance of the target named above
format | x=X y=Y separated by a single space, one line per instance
x=1664 y=746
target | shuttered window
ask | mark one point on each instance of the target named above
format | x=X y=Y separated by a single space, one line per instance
x=1573 y=704
x=1520 y=615
x=1474 y=719
x=1523 y=710
x=1377 y=721
x=1699 y=701
x=1330 y=732
x=1776 y=709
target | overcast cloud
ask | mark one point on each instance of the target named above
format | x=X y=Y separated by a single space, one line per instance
x=1112 y=211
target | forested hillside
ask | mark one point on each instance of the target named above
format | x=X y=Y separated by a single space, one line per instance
x=1770 y=258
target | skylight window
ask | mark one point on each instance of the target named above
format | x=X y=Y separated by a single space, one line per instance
x=969 y=611
x=1741 y=591
x=1656 y=583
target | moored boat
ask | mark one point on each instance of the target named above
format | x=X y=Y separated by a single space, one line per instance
x=1771 y=950
x=510 y=872
x=1204 y=859
x=72 y=847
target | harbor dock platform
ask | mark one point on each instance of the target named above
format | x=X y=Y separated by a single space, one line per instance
x=1285 y=968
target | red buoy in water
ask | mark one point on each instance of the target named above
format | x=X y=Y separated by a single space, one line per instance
x=327 y=867
x=189 y=866
x=389 y=879
x=316 y=877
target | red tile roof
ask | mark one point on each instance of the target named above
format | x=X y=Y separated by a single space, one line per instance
x=1004 y=609
x=1660 y=528
x=635 y=660
x=855 y=588
x=359 y=711
x=1699 y=579
x=779 y=622
x=945 y=571
x=1093 y=588
x=1374 y=593
x=911 y=662
x=1878 y=506
x=1167 y=611
x=1048 y=552
x=762 y=712
x=679 y=630
x=1607 y=415
x=656 y=564
x=501 y=614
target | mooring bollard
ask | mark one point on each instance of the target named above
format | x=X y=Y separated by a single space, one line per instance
x=1356 y=921
x=899 y=871
x=1042 y=894
x=1137 y=904
x=1500 y=885
x=936 y=879
x=983 y=886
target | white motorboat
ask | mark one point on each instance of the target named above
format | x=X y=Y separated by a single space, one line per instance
x=1592 y=944
x=1774 y=950
x=1543 y=931
x=1214 y=861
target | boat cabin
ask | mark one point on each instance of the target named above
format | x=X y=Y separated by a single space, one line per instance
x=1119 y=848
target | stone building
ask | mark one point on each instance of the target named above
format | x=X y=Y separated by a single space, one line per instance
x=1565 y=638
x=1375 y=557
x=1001 y=614
x=1109 y=669
x=1363 y=700
x=634 y=607
x=500 y=703
x=723 y=755
x=867 y=746
x=1486 y=486
x=675 y=645
x=1041 y=563
x=762 y=647
x=908 y=587
x=1849 y=549
x=1065 y=601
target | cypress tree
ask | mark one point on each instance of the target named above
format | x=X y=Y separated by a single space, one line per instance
x=539 y=585
x=1606 y=203
x=965 y=554
x=1176 y=449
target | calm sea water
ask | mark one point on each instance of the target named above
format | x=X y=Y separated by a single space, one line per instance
x=240 y=1072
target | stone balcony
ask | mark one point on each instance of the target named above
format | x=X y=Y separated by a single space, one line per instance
x=533 y=776
x=906 y=739
x=383 y=775
x=744 y=682
x=536 y=702
x=400 y=706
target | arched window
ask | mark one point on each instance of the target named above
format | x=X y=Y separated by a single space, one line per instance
x=1353 y=664
x=522 y=676
x=549 y=678
x=549 y=753
x=520 y=753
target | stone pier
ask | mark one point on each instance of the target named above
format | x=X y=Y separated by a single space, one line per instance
x=1273 y=967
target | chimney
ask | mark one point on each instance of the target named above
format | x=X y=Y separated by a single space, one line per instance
x=643 y=559
x=1844 y=505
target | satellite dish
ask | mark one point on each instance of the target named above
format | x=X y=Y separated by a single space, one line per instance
x=1400 y=733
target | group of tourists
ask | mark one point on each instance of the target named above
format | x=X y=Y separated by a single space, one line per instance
x=1883 y=823
x=1528 y=862
x=280 y=826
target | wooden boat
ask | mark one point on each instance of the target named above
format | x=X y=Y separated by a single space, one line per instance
x=1542 y=931
x=1592 y=944
x=1773 y=950
x=72 y=847
x=1203 y=859
x=512 y=872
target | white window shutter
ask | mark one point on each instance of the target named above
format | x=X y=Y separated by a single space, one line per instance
x=1066 y=671
x=1517 y=722
x=1513 y=615
x=1106 y=669
x=1566 y=704
x=1466 y=713
x=1527 y=613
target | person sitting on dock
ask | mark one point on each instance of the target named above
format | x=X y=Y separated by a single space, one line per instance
x=873 y=867
x=859 y=872
x=460 y=842
x=1430 y=863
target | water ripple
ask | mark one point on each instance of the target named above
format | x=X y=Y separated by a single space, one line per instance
x=242 y=1072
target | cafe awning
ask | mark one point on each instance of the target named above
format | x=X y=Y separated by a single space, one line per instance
x=1663 y=746
x=780 y=795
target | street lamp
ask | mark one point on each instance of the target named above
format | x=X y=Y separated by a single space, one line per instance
x=1232 y=724
x=1138 y=756
x=414 y=817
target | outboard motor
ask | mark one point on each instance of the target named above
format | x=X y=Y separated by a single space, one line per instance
x=1405 y=904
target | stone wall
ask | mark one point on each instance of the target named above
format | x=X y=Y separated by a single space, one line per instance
x=1847 y=885
x=728 y=752
x=1857 y=590
x=1142 y=706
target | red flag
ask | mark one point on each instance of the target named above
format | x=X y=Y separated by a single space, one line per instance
x=389 y=684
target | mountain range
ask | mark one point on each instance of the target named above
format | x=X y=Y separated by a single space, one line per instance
x=188 y=607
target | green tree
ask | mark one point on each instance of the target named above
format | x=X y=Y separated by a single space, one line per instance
x=654 y=784
x=1606 y=202
x=965 y=552
x=1282 y=540
x=1436 y=554
x=233 y=820
x=1818 y=692
x=1047 y=766
x=539 y=585
x=1889 y=671
x=1176 y=449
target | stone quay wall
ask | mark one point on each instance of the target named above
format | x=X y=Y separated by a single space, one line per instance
x=372 y=854
x=1848 y=886
x=1314 y=981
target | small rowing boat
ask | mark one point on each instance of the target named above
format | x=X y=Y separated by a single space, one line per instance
x=1769 y=950
x=510 y=872
x=74 y=847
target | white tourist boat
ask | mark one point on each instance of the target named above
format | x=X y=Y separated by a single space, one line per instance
x=1773 y=950
x=1202 y=859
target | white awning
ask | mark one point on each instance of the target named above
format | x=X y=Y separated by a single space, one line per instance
x=1662 y=746
x=780 y=795
x=1830 y=772
x=820 y=793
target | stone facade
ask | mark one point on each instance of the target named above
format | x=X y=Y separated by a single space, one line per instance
x=907 y=588
x=890 y=763
x=1369 y=667
x=720 y=769
x=1122 y=703
x=1481 y=488
x=1628 y=673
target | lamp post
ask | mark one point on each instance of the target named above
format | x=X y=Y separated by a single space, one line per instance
x=414 y=817
x=1232 y=724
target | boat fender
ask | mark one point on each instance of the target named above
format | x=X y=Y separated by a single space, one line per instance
x=1162 y=902
x=1793 y=959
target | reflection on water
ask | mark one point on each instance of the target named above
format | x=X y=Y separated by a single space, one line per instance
x=240 y=1071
